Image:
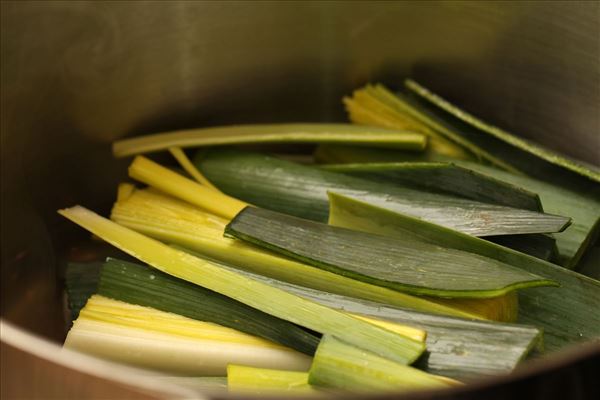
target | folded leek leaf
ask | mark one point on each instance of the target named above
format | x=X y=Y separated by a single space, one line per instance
x=447 y=178
x=154 y=339
x=251 y=292
x=173 y=221
x=568 y=314
x=402 y=264
x=582 y=207
x=272 y=133
x=81 y=281
x=246 y=380
x=523 y=154
x=340 y=365
x=300 y=190
x=145 y=286
x=457 y=348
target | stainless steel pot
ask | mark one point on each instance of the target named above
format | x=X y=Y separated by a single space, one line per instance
x=77 y=75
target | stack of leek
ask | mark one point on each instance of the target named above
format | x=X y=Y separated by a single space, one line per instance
x=566 y=186
x=388 y=243
x=456 y=348
x=250 y=291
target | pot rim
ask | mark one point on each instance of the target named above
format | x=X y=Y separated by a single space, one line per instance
x=143 y=379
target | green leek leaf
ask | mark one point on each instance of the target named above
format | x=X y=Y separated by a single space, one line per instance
x=447 y=178
x=342 y=366
x=401 y=264
x=271 y=133
x=302 y=191
x=523 y=154
x=145 y=286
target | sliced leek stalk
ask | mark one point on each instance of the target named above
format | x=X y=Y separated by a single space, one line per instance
x=155 y=175
x=251 y=292
x=145 y=286
x=173 y=221
x=167 y=342
x=272 y=133
x=343 y=366
x=301 y=191
x=400 y=263
x=447 y=178
x=242 y=379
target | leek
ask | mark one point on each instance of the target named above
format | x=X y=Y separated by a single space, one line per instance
x=366 y=109
x=271 y=133
x=456 y=347
x=153 y=174
x=81 y=281
x=522 y=153
x=247 y=380
x=171 y=343
x=302 y=191
x=402 y=107
x=145 y=286
x=402 y=264
x=342 y=366
x=582 y=207
x=188 y=167
x=448 y=178
x=251 y=292
x=173 y=221
x=567 y=314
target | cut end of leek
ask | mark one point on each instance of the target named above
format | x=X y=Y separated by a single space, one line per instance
x=157 y=340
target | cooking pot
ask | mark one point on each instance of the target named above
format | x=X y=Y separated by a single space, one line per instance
x=78 y=75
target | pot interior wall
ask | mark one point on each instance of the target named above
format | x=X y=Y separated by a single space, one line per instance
x=77 y=75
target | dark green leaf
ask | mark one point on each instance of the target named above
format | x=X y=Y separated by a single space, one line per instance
x=405 y=264
x=302 y=191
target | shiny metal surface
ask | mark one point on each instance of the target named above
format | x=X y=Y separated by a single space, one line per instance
x=77 y=75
